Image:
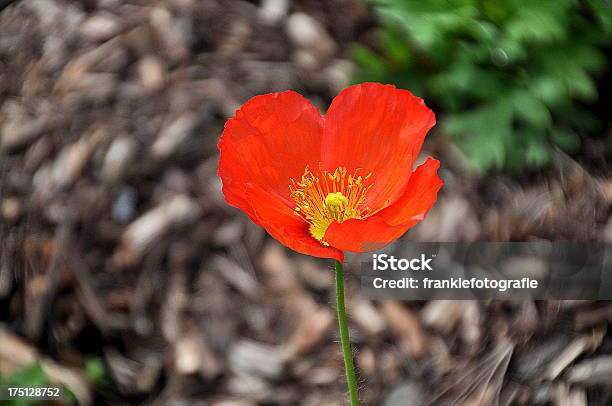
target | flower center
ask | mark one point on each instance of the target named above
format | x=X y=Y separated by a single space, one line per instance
x=330 y=196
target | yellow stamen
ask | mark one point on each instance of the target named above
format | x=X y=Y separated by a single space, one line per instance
x=331 y=196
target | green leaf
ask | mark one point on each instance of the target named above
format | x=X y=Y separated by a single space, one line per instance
x=530 y=109
x=483 y=135
x=396 y=47
x=95 y=371
x=565 y=138
x=427 y=22
x=581 y=84
x=538 y=153
x=535 y=26
x=367 y=60
x=32 y=375
x=550 y=89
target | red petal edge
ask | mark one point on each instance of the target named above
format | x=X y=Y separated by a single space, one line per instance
x=285 y=226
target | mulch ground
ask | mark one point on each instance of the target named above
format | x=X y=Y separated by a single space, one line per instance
x=116 y=243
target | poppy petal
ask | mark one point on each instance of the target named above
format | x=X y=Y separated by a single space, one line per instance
x=375 y=232
x=281 y=222
x=379 y=129
x=270 y=140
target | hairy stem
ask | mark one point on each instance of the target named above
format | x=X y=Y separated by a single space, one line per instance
x=345 y=342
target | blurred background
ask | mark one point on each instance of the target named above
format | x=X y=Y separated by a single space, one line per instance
x=125 y=277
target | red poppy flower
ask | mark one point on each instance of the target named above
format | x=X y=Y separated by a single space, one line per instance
x=322 y=185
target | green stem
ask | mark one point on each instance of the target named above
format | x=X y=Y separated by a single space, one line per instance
x=345 y=342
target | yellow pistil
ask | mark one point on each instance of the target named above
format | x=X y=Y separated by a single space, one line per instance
x=331 y=196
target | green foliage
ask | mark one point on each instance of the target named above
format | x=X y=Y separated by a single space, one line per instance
x=32 y=375
x=510 y=76
x=96 y=371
